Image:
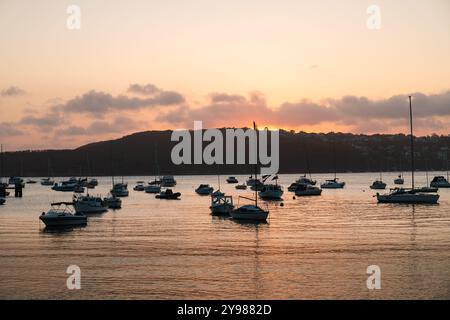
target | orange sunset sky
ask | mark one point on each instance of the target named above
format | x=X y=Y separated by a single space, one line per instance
x=145 y=65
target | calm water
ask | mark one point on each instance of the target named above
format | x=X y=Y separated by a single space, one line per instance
x=311 y=248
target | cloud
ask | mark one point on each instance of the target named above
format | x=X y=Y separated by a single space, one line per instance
x=42 y=123
x=9 y=129
x=118 y=125
x=361 y=114
x=99 y=103
x=12 y=91
x=148 y=89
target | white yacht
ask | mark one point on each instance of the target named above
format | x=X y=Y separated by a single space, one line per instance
x=204 y=189
x=89 y=204
x=168 y=181
x=120 y=190
x=62 y=214
x=271 y=192
x=413 y=195
x=400 y=195
x=251 y=212
x=440 y=182
x=307 y=190
x=221 y=204
x=333 y=184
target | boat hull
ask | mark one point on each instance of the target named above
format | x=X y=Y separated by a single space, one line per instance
x=409 y=198
x=63 y=221
x=311 y=192
x=260 y=216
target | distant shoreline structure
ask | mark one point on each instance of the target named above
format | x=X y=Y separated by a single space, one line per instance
x=134 y=155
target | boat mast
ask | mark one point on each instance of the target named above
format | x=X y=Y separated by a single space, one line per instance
x=256 y=165
x=412 y=143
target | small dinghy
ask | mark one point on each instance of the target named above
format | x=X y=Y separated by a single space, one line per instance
x=232 y=180
x=168 y=194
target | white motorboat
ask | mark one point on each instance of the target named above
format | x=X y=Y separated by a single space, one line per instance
x=221 y=204
x=333 y=184
x=62 y=214
x=47 y=182
x=271 y=192
x=89 y=204
x=413 y=195
x=399 y=180
x=168 y=181
x=120 y=190
x=307 y=190
x=113 y=202
x=153 y=188
x=140 y=186
x=378 y=185
x=204 y=189
x=232 y=179
x=65 y=186
x=440 y=182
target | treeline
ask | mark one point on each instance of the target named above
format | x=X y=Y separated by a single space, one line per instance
x=299 y=152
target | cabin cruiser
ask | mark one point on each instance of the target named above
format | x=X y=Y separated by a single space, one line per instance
x=378 y=185
x=120 y=190
x=221 y=204
x=153 y=188
x=89 y=204
x=168 y=181
x=168 y=194
x=47 y=182
x=440 y=182
x=232 y=179
x=332 y=184
x=400 y=195
x=204 y=189
x=241 y=187
x=65 y=186
x=62 y=214
x=399 y=180
x=140 y=186
x=271 y=191
x=113 y=202
x=307 y=190
x=249 y=212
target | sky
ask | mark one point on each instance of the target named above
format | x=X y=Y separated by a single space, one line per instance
x=136 y=65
